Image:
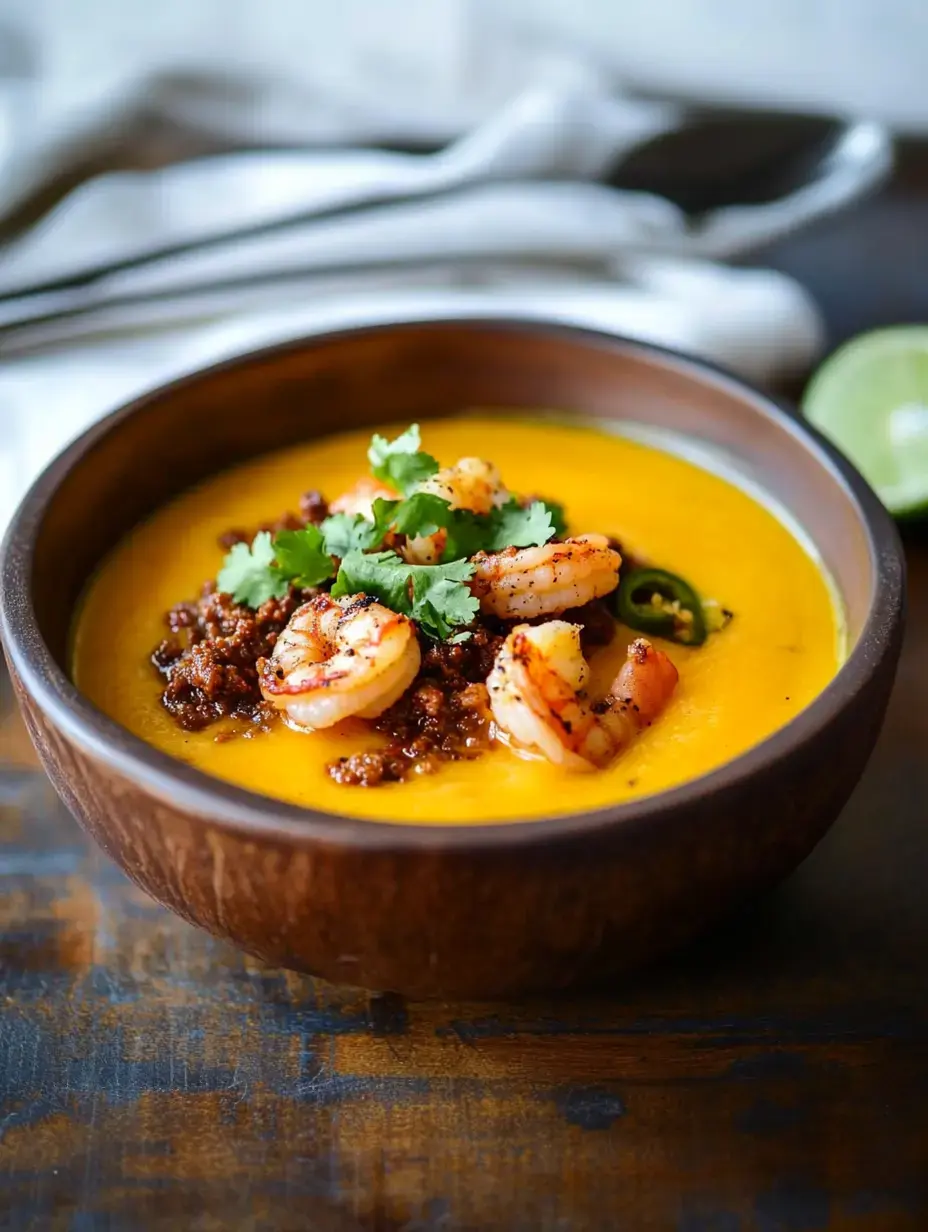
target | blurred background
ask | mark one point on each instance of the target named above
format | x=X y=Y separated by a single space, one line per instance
x=184 y=181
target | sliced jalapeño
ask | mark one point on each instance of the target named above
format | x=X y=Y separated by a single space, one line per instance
x=658 y=602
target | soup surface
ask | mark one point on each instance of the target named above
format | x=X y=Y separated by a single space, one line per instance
x=780 y=649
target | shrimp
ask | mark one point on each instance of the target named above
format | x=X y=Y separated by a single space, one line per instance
x=360 y=499
x=542 y=581
x=340 y=657
x=470 y=484
x=538 y=704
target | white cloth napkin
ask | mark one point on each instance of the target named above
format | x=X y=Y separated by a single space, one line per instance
x=48 y=397
x=513 y=223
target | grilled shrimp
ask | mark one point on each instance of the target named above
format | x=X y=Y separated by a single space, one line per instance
x=542 y=581
x=470 y=484
x=340 y=657
x=360 y=499
x=537 y=700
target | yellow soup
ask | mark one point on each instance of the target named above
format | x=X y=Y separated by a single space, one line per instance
x=779 y=651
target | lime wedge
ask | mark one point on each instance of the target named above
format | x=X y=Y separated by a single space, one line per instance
x=871 y=399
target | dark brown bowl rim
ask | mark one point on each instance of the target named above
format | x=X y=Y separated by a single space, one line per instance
x=223 y=804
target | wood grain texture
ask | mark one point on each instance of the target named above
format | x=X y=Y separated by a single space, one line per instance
x=774 y=1079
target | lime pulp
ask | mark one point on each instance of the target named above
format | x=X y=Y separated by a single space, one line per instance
x=870 y=398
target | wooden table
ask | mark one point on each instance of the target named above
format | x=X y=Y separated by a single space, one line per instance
x=774 y=1078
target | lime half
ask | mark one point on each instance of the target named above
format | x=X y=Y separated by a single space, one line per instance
x=871 y=399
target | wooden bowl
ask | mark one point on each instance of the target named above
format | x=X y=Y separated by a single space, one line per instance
x=457 y=911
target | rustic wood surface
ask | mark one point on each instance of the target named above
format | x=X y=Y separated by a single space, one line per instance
x=773 y=1078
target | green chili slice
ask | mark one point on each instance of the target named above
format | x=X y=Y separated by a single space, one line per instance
x=658 y=602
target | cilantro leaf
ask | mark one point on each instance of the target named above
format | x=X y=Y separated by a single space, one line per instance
x=347 y=532
x=424 y=514
x=515 y=527
x=420 y=514
x=384 y=511
x=467 y=535
x=440 y=598
x=400 y=463
x=435 y=596
x=248 y=573
x=302 y=557
x=558 y=516
x=374 y=573
x=270 y=566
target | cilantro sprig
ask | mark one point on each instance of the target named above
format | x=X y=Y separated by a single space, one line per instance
x=438 y=596
x=419 y=514
x=349 y=532
x=423 y=514
x=301 y=556
x=517 y=526
x=558 y=517
x=401 y=463
x=271 y=565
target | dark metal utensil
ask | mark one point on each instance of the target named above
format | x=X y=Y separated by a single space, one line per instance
x=730 y=158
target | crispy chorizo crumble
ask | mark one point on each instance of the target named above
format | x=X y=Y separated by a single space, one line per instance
x=444 y=716
x=211 y=664
x=314 y=509
x=211 y=661
x=210 y=658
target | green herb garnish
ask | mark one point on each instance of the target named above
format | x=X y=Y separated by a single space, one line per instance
x=558 y=516
x=302 y=557
x=248 y=573
x=423 y=514
x=270 y=566
x=435 y=596
x=349 y=532
x=513 y=526
x=401 y=463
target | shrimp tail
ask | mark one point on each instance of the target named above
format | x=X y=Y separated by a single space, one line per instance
x=539 y=705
